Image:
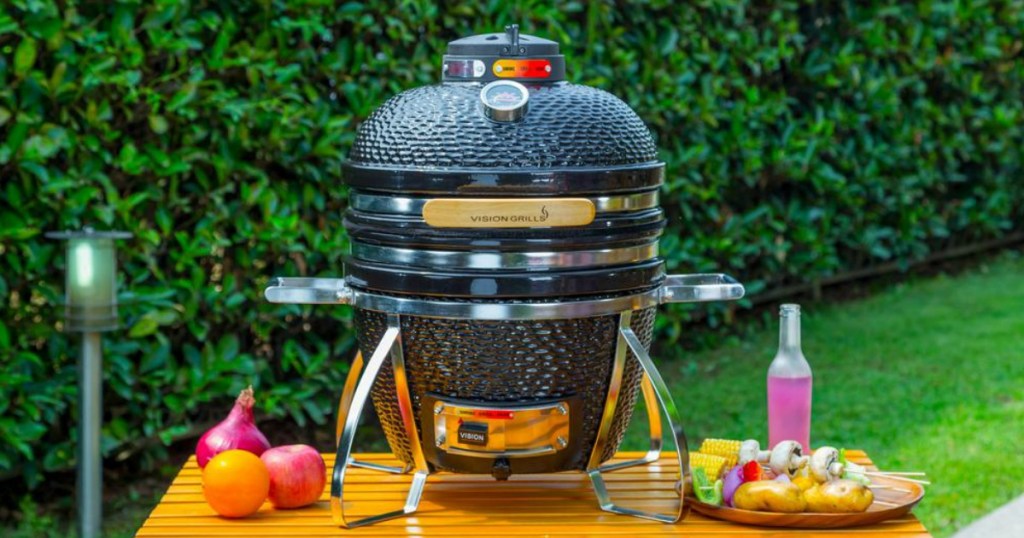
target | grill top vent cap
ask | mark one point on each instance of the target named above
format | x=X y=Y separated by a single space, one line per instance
x=508 y=56
x=507 y=43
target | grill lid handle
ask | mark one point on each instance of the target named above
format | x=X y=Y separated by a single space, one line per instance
x=293 y=290
x=512 y=31
x=700 y=288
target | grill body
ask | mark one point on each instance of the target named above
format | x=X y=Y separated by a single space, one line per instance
x=504 y=274
x=435 y=142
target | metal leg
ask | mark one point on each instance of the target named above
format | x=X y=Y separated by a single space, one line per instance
x=344 y=404
x=405 y=399
x=385 y=348
x=612 y=400
x=628 y=338
x=653 y=427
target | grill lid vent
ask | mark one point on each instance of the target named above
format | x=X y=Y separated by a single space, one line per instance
x=509 y=55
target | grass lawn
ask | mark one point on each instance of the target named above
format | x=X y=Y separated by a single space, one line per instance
x=925 y=376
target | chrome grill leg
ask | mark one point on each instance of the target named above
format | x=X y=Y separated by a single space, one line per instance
x=349 y=410
x=653 y=427
x=611 y=401
x=656 y=385
x=343 y=406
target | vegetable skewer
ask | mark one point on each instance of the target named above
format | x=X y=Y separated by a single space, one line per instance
x=897 y=477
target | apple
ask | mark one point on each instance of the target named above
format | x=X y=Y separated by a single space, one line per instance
x=297 y=475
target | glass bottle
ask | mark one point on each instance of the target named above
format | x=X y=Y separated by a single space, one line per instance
x=789 y=384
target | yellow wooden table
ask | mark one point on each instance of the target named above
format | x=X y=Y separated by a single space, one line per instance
x=560 y=504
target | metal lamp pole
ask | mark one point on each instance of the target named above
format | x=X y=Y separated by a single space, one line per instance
x=90 y=308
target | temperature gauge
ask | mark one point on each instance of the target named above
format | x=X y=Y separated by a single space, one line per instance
x=504 y=100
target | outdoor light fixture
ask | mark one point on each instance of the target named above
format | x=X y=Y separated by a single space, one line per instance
x=90 y=308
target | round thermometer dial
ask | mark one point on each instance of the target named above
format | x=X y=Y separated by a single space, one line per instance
x=504 y=100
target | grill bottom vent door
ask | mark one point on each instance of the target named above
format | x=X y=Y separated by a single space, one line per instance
x=532 y=437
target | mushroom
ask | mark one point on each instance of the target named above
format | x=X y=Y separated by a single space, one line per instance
x=825 y=464
x=750 y=450
x=787 y=458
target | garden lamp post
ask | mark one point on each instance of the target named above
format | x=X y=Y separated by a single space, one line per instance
x=90 y=308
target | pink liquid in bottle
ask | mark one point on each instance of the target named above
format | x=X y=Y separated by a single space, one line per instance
x=789 y=385
x=789 y=410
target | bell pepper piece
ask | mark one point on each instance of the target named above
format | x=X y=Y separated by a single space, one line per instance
x=751 y=471
x=706 y=492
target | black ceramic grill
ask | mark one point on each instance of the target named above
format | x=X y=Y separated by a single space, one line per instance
x=505 y=274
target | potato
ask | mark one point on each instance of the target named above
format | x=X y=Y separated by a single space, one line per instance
x=769 y=496
x=839 y=496
x=805 y=482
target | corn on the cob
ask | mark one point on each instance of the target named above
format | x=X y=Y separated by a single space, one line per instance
x=711 y=464
x=726 y=448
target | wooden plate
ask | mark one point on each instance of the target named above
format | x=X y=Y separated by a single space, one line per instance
x=901 y=503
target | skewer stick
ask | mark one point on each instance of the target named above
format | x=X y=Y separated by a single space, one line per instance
x=919 y=482
x=893 y=488
x=902 y=473
x=888 y=476
x=887 y=503
x=905 y=479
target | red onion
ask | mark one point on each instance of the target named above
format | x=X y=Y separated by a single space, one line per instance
x=238 y=431
x=733 y=481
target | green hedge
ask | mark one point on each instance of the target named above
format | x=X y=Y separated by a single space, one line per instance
x=802 y=141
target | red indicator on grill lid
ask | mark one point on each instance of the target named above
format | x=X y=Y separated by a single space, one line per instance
x=522 y=68
x=494 y=413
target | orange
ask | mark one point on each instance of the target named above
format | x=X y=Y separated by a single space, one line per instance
x=235 y=483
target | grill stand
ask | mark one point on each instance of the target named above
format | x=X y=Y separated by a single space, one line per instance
x=677 y=288
x=360 y=381
x=390 y=346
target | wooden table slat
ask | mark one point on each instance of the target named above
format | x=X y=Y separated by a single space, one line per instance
x=560 y=504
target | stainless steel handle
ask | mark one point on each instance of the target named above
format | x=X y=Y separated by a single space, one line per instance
x=676 y=289
x=308 y=291
x=700 y=288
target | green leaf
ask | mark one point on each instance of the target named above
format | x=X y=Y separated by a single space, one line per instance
x=227 y=348
x=29 y=431
x=158 y=124
x=153 y=320
x=182 y=96
x=38 y=170
x=43 y=27
x=24 y=56
x=144 y=327
x=7 y=24
x=41 y=147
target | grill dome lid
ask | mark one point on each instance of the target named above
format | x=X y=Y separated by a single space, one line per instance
x=569 y=138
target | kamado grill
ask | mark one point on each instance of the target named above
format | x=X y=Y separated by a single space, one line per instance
x=504 y=274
